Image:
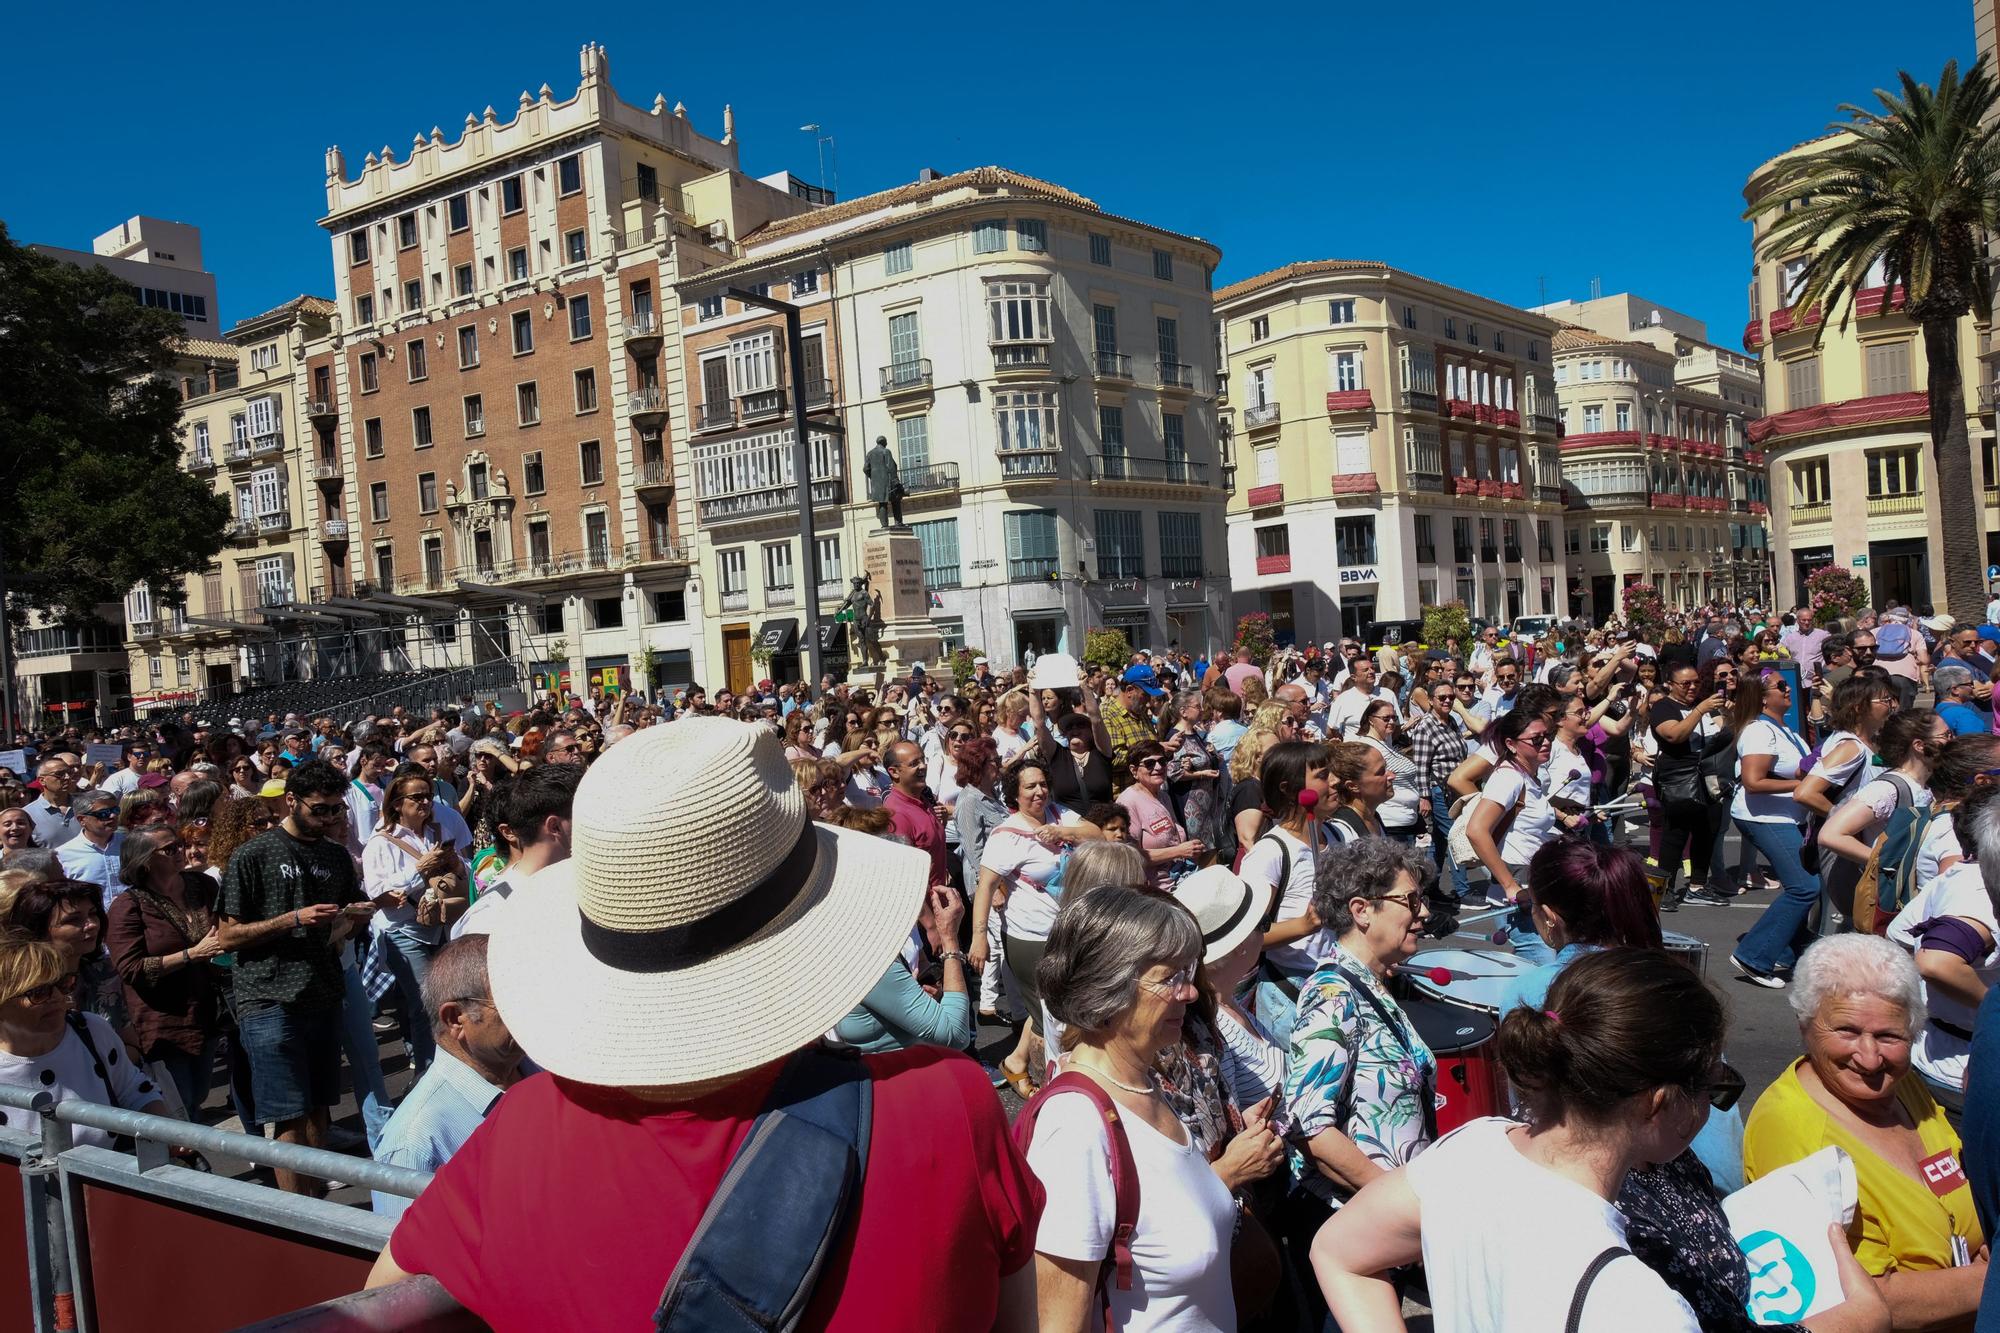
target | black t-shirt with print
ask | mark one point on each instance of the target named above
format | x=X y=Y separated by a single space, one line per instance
x=275 y=874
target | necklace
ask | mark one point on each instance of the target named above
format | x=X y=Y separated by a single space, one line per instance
x=1152 y=1081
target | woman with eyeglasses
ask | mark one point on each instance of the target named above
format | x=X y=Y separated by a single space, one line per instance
x=45 y=1046
x=412 y=873
x=1513 y=819
x=162 y=936
x=244 y=778
x=1769 y=814
x=1380 y=730
x=1161 y=836
x=1685 y=813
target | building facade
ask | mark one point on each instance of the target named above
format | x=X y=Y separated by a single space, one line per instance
x=490 y=410
x=161 y=261
x=1847 y=435
x=1395 y=441
x=1044 y=373
x=1662 y=484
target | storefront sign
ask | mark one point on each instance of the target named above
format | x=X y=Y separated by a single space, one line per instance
x=1358 y=574
x=1184 y=592
x=1124 y=590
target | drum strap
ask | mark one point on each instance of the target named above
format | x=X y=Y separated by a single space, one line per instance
x=1395 y=1025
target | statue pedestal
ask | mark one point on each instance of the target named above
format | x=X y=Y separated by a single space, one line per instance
x=893 y=560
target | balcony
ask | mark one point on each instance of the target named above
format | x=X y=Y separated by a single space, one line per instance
x=1264 y=497
x=1545 y=423
x=1611 y=500
x=715 y=416
x=201 y=463
x=1603 y=439
x=1488 y=490
x=241 y=531
x=1275 y=564
x=1877 y=300
x=936 y=479
x=333 y=531
x=1418 y=400
x=642 y=331
x=1461 y=408
x=318 y=408
x=323 y=471
x=941 y=576
x=1461 y=552
x=1427 y=553
x=751 y=477
x=1803 y=514
x=1355 y=483
x=1892 y=506
x=653 y=474
x=1668 y=500
x=1016 y=464
x=1549 y=494
x=1753 y=335
x=1013 y=358
x=816 y=392
x=907 y=376
x=1113 y=365
x=1512 y=554
x=657 y=552
x=650 y=404
x=738 y=600
x=1350 y=400
x=1464 y=486
x=1176 y=376
x=786 y=596
x=1759 y=508
x=1512 y=490
x=1259 y=415
x=1432 y=482
x=1489 y=553
x=1152 y=471
x=762 y=405
x=1036 y=568
x=1546 y=554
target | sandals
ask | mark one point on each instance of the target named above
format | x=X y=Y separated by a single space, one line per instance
x=1021 y=1083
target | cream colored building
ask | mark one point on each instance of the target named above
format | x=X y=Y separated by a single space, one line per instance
x=244 y=427
x=1395 y=445
x=1847 y=433
x=1662 y=486
x=1044 y=372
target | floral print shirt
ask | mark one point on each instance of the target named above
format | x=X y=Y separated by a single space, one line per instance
x=1353 y=1072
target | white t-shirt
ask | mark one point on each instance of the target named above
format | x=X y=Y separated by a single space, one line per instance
x=1940 y=841
x=68 y=1071
x=1535 y=822
x=1506 y=1242
x=1014 y=853
x=1568 y=774
x=1008 y=742
x=1959 y=892
x=1879 y=795
x=1180 y=1248
x=1343 y=719
x=867 y=788
x=1787 y=752
x=1400 y=811
x=1262 y=864
x=1838 y=776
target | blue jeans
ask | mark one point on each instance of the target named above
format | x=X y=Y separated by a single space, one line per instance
x=294 y=1060
x=410 y=959
x=1527 y=942
x=1440 y=837
x=357 y=1038
x=1781 y=933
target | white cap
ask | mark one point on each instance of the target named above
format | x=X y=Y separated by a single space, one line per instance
x=979 y=661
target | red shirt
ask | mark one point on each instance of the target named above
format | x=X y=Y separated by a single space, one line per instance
x=569 y=1206
x=917 y=824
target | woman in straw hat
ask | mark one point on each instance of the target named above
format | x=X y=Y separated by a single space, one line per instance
x=656 y=974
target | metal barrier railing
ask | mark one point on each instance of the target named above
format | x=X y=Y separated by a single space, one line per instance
x=55 y=1173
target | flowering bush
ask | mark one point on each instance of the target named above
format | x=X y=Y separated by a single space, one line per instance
x=1833 y=592
x=1253 y=636
x=961 y=665
x=1445 y=622
x=1645 y=613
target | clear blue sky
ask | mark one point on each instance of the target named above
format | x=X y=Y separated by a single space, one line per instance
x=1494 y=147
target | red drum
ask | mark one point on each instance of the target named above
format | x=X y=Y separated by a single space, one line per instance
x=1469 y=1083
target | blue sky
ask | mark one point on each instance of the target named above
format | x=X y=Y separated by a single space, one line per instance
x=1509 y=149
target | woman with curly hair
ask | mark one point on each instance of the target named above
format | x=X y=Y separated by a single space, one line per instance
x=232 y=823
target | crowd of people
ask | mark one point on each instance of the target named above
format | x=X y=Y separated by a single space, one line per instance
x=650 y=967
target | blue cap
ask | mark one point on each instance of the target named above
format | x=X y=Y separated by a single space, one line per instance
x=1142 y=676
x=1990 y=633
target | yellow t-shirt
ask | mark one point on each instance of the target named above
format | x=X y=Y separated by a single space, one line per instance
x=1900 y=1223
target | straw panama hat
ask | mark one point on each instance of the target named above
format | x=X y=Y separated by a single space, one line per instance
x=1225 y=906
x=702 y=925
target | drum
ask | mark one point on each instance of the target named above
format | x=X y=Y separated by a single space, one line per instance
x=1466 y=978
x=1469 y=1081
x=1688 y=949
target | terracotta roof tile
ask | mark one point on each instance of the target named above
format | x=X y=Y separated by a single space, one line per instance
x=981 y=178
x=1303 y=269
x=312 y=305
x=207 y=347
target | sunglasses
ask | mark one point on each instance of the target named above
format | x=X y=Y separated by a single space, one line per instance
x=1724 y=1088
x=110 y=812
x=322 y=811
x=960 y=735
x=1161 y=763
x=63 y=985
x=1538 y=741
x=168 y=848
x=262 y=821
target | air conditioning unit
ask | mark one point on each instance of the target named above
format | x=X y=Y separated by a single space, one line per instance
x=717 y=231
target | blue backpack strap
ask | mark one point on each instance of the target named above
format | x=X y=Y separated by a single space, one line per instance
x=783 y=1206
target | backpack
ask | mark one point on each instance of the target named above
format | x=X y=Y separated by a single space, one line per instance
x=1117 y=1265
x=783 y=1207
x=1890 y=879
x=1458 y=842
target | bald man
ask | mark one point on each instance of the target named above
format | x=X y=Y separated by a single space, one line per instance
x=913 y=814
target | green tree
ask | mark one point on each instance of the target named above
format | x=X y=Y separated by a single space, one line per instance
x=1915 y=184
x=1445 y=622
x=90 y=476
x=1106 y=648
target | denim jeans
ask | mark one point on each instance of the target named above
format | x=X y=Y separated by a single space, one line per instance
x=1440 y=840
x=357 y=1038
x=1527 y=942
x=410 y=959
x=193 y=1075
x=1782 y=932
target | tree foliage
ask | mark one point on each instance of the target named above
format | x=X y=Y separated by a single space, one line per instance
x=1446 y=622
x=962 y=668
x=90 y=475
x=1253 y=636
x=1106 y=648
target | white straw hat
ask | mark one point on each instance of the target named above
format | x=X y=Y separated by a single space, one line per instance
x=702 y=925
x=1225 y=906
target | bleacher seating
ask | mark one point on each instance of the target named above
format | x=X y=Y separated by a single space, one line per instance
x=348 y=698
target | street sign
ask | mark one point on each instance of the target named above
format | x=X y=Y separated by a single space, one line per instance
x=1993 y=571
x=1861 y=562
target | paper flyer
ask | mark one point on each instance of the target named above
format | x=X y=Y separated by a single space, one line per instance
x=1780 y=1223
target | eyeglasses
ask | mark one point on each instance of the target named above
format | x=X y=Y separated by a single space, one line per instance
x=1724 y=1087
x=262 y=821
x=42 y=994
x=1412 y=902
x=322 y=811
x=108 y=812
x=171 y=848
x=423 y=796
x=1171 y=987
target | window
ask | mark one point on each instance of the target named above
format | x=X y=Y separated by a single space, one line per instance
x=1032 y=235
x=1593 y=419
x=905 y=342
x=735 y=570
x=1600 y=538
x=1472 y=333
x=532 y=480
x=1893 y=472
x=1889 y=368
x=913 y=444
x=1461 y=539
x=528 y=402
x=1104 y=329
x=579 y=317
x=597 y=536
x=586 y=391
x=898 y=258
x=670 y=605
x=1274 y=540
x=1409 y=317
x=1450 y=327
x=378 y=501
x=1673 y=538
x=201 y=447
x=457 y=215
x=576 y=246
x=1017 y=311
x=648 y=180
x=778 y=567
x=417 y=360
x=1032 y=552
x=357 y=246
x=1026 y=421
x=1168 y=332
x=475 y=415
x=1624 y=416
x=1111 y=438
x=708 y=307
x=385 y=566
x=1100 y=249
x=1572 y=541
x=1354 y=539
x=1173 y=434
x=569 y=174
x=1341 y=311
x=1267 y=466
x=468 y=346
x=1802 y=382
x=369 y=375
x=510 y=194
x=1499 y=340
x=265 y=357
x=753 y=363
x=1534 y=350
x=427 y=492
x=1260 y=328
x=371 y=436
x=1350 y=453
x=1347 y=371
x=805 y=282
x=1163 y=265
x=420 y=427
x=989 y=237
x=524 y=332
x=1121 y=550
x=517 y=264
x=590 y=459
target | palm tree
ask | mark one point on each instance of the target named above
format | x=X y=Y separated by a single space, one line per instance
x=1917 y=186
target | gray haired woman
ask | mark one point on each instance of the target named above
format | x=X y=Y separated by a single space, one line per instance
x=1119 y=972
x=1194 y=769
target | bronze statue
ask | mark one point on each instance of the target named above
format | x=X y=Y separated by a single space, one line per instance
x=885 y=484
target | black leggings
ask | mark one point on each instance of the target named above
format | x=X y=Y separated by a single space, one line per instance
x=1687 y=830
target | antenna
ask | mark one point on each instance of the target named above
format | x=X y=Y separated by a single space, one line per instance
x=824 y=143
x=1596 y=287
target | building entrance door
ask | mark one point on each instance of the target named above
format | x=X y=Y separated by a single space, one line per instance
x=736 y=657
x=1899 y=570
